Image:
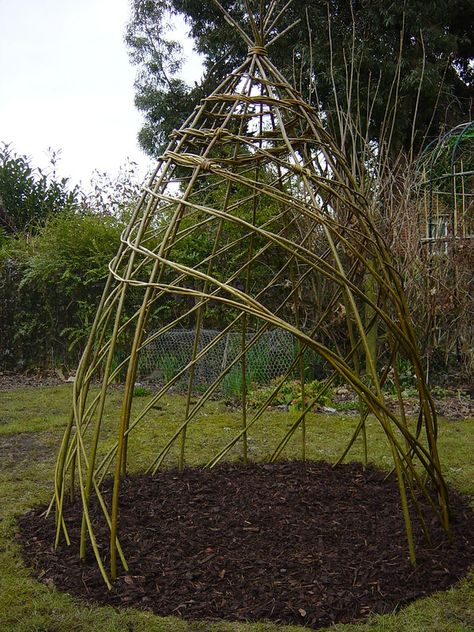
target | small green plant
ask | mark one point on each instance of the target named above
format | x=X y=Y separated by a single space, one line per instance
x=290 y=394
x=232 y=384
x=257 y=363
x=439 y=392
x=141 y=391
x=170 y=366
x=410 y=391
x=406 y=378
x=406 y=375
x=350 y=405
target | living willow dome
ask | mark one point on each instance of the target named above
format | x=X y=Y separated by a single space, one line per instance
x=281 y=238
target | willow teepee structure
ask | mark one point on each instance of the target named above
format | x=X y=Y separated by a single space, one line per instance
x=282 y=238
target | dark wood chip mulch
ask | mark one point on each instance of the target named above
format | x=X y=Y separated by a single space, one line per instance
x=292 y=542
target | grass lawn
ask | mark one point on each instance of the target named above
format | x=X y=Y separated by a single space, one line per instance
x=31 y=424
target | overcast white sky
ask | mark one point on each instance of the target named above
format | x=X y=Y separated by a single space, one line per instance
x=66 y=83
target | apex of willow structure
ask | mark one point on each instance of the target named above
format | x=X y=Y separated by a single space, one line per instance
x=282 y=238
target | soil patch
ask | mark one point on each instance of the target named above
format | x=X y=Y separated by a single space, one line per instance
x=291 y=542
x=11 y=380
x=454 y=404
x=17 y=449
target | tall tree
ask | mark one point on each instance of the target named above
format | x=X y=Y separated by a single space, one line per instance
x=417 y=54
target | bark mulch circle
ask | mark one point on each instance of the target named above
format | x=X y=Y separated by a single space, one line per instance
x=292 y=542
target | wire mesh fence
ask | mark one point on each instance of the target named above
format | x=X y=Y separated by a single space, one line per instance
x=268 y=358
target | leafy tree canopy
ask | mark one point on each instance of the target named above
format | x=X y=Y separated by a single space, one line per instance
x=28 y=196
x=433 y=40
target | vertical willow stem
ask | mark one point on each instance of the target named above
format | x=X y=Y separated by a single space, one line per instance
x=404 y=502
x=463 y=202
x=372 y=333
x=301 y=348
x=244 y=390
